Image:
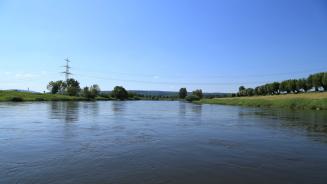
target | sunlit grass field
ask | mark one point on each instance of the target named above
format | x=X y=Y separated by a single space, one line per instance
x=296 y=101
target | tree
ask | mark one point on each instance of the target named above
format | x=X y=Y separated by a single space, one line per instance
x=119 y=93
x=86 y=93
x=249 y=91
x=56 y=86
x=241 y=88
x=91 y=92
x=53 y=87
x=310 y=82
x=275 y=87
x=316 y=80
x=269 y=89
x=324 y=81
x=262 y=90
x=291 y=85
x=72 y=87
x=242 y=91
x=302 y=84
x=95 y=90
x=198 y=93
x=182 y=93
x=283 y=87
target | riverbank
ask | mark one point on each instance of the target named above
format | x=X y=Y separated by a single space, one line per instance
x=18 y=96
x=316 y=101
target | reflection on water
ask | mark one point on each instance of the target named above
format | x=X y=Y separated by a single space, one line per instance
x=70 y=112
x=67 y=111
x=313 y=121
x=160 y=142
x=182 y=109
x=197 y=109
x=118 y=107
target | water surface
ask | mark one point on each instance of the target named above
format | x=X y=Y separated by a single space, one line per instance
x=147 y=142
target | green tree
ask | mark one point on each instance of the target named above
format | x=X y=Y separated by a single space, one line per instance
x=283 y=87
x=56 y=86
x=53 y=87
x=316 y=80
x=198 y=93
x=91 y=92
x=324 y=81
x=249 y=91
x=291 y=85
x=119 y=93
x=263 y=90
x=72 y=87
x=275 y=87
x=182 y=93
x=260 y=90
x=269 y=89
x=86 y=93
x=95 y=90
x=302 y=84
x=241 y=91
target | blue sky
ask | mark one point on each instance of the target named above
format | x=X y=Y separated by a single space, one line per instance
x=163 y=44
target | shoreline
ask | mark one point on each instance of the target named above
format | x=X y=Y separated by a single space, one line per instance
x=314 y=101
x=17 y=96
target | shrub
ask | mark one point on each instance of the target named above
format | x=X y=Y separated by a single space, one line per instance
x=17 y=99
x=192 y=98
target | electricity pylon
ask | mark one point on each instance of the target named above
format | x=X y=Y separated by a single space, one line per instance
x=67 y=67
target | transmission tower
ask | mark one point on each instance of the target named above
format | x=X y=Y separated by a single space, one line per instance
x=67 y=67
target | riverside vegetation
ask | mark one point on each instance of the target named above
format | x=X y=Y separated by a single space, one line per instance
x=312 y=100
x=70 y=90
x=304 y=93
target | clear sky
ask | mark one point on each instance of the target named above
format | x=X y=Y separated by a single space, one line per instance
x=161 y=44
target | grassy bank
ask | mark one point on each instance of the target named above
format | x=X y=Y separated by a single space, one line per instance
x=17 y=96
x=295 y=101
x=26 y=96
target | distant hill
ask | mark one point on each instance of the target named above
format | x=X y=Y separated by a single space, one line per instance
x=169 y=93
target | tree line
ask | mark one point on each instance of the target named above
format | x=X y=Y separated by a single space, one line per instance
x=314 y=82
x=72 y=87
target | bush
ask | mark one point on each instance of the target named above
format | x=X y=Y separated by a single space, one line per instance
x=197 y=93
x=17 y=99
x=192 y=98
x=119 y=93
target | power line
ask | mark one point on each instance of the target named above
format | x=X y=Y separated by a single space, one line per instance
x=224 y=76
x=173 y=83
x=203 y=83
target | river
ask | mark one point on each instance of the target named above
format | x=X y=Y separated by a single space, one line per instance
x=149 y=142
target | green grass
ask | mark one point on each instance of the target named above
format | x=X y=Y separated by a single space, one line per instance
x=26 y=96
x=294 y=101
x=16 y=96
